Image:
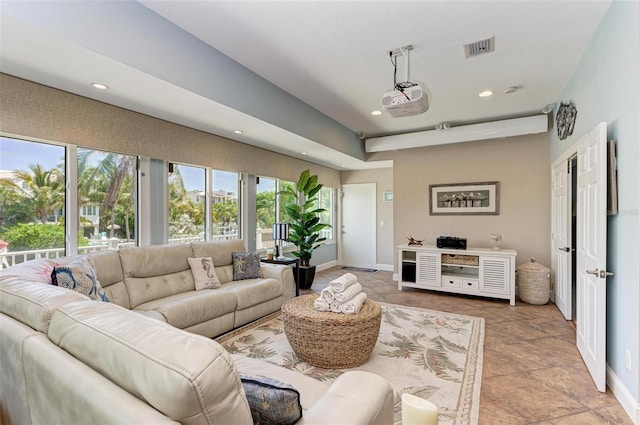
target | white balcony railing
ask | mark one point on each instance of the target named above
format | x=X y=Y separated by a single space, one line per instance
x=8 y=259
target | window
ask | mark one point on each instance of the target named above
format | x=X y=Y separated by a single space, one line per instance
x=32 y=201
x=225 y=212
x=107 y=189
x=187 y=200
x=325 y=200
x=282 y=201
x=265 y=212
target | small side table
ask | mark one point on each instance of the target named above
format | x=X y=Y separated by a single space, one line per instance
x=285 y=262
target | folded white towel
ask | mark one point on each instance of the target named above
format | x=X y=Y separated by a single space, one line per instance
x=353 y=306
x=343 y=282
x=321 y=304
x=327 y=294
x=336 y=307
x=348 y=293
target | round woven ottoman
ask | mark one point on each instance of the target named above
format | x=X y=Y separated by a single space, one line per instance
x=330 y=340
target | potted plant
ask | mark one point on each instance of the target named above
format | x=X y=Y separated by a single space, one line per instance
x=305 y=226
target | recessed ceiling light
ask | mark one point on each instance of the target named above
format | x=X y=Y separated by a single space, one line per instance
x=99 y=86
x=344 y=166
x=485 y=93
x=303 y=153
x=238 y=131
x=376 y=112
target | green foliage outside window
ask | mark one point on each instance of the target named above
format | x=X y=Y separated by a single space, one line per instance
x=26 y=237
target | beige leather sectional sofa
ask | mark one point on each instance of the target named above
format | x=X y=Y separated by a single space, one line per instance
x=147 y=356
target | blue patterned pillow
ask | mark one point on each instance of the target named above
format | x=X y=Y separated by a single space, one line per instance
x=246 y=265
x=272 y=402
x=80 y=275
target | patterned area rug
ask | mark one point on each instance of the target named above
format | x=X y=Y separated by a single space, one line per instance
x=431 y=354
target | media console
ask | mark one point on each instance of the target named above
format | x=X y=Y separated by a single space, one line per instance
x=483 y=272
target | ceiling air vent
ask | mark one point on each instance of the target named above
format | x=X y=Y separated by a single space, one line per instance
x=479 y=47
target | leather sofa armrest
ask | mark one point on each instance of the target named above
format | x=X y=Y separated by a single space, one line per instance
x=279 y=272
x=356 y=398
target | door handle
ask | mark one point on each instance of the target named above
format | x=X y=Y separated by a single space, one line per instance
x=602 y=274
x=565 y=249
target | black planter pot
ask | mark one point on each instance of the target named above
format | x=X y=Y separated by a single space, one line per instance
x=304 y=279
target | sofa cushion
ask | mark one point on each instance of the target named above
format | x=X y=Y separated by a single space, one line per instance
x=109 y=273
x=33 y=303
x=154 y=260
x=146 y=289
x=272 y=402
x=246 y=265
x=225 y=273
x=193 y=307
x=80 y=276
x=219 y=251
x=155 y=272
x=204 y=273
x=189 y=378
x=252 y=292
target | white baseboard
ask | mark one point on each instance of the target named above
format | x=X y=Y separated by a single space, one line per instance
x=325 y=266
x=385 y=267
x=623 y=395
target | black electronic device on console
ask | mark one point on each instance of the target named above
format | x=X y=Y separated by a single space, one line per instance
x=451 y=242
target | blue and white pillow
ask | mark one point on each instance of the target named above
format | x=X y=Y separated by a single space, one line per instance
x=246 y=265
x=80 y=276
x=272 y=402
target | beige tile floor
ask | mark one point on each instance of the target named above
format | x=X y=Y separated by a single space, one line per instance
x=532 y=371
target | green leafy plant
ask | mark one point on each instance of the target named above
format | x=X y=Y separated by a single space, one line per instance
x=29 y=236
x=304 y=216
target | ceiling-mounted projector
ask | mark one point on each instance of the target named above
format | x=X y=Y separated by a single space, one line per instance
x=405 y=102
x=408 y=99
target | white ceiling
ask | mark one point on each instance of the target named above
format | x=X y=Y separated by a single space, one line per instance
x=333 y=55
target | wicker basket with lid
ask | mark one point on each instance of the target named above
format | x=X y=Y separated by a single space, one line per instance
x=533 y=283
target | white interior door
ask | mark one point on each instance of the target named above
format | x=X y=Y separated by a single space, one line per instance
x=561 y=237
x=358 y=248
x=591 y=234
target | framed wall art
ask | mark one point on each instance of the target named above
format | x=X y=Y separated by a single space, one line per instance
x=464 y=199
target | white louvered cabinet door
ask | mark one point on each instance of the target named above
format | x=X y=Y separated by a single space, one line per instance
x=428 y=269
x=494 y=275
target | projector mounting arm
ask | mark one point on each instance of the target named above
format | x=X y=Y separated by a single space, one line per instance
x=401 y=51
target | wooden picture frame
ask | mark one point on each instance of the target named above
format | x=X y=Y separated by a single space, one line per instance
x=464 y=198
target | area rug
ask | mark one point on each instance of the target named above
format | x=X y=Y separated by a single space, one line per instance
x=431 y=354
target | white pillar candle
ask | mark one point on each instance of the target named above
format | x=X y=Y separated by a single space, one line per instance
x=418 y=411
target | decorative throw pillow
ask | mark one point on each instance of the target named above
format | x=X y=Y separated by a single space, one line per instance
x=272 y=402
x=246 y=265
x=204 y=273
x=80 y=275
